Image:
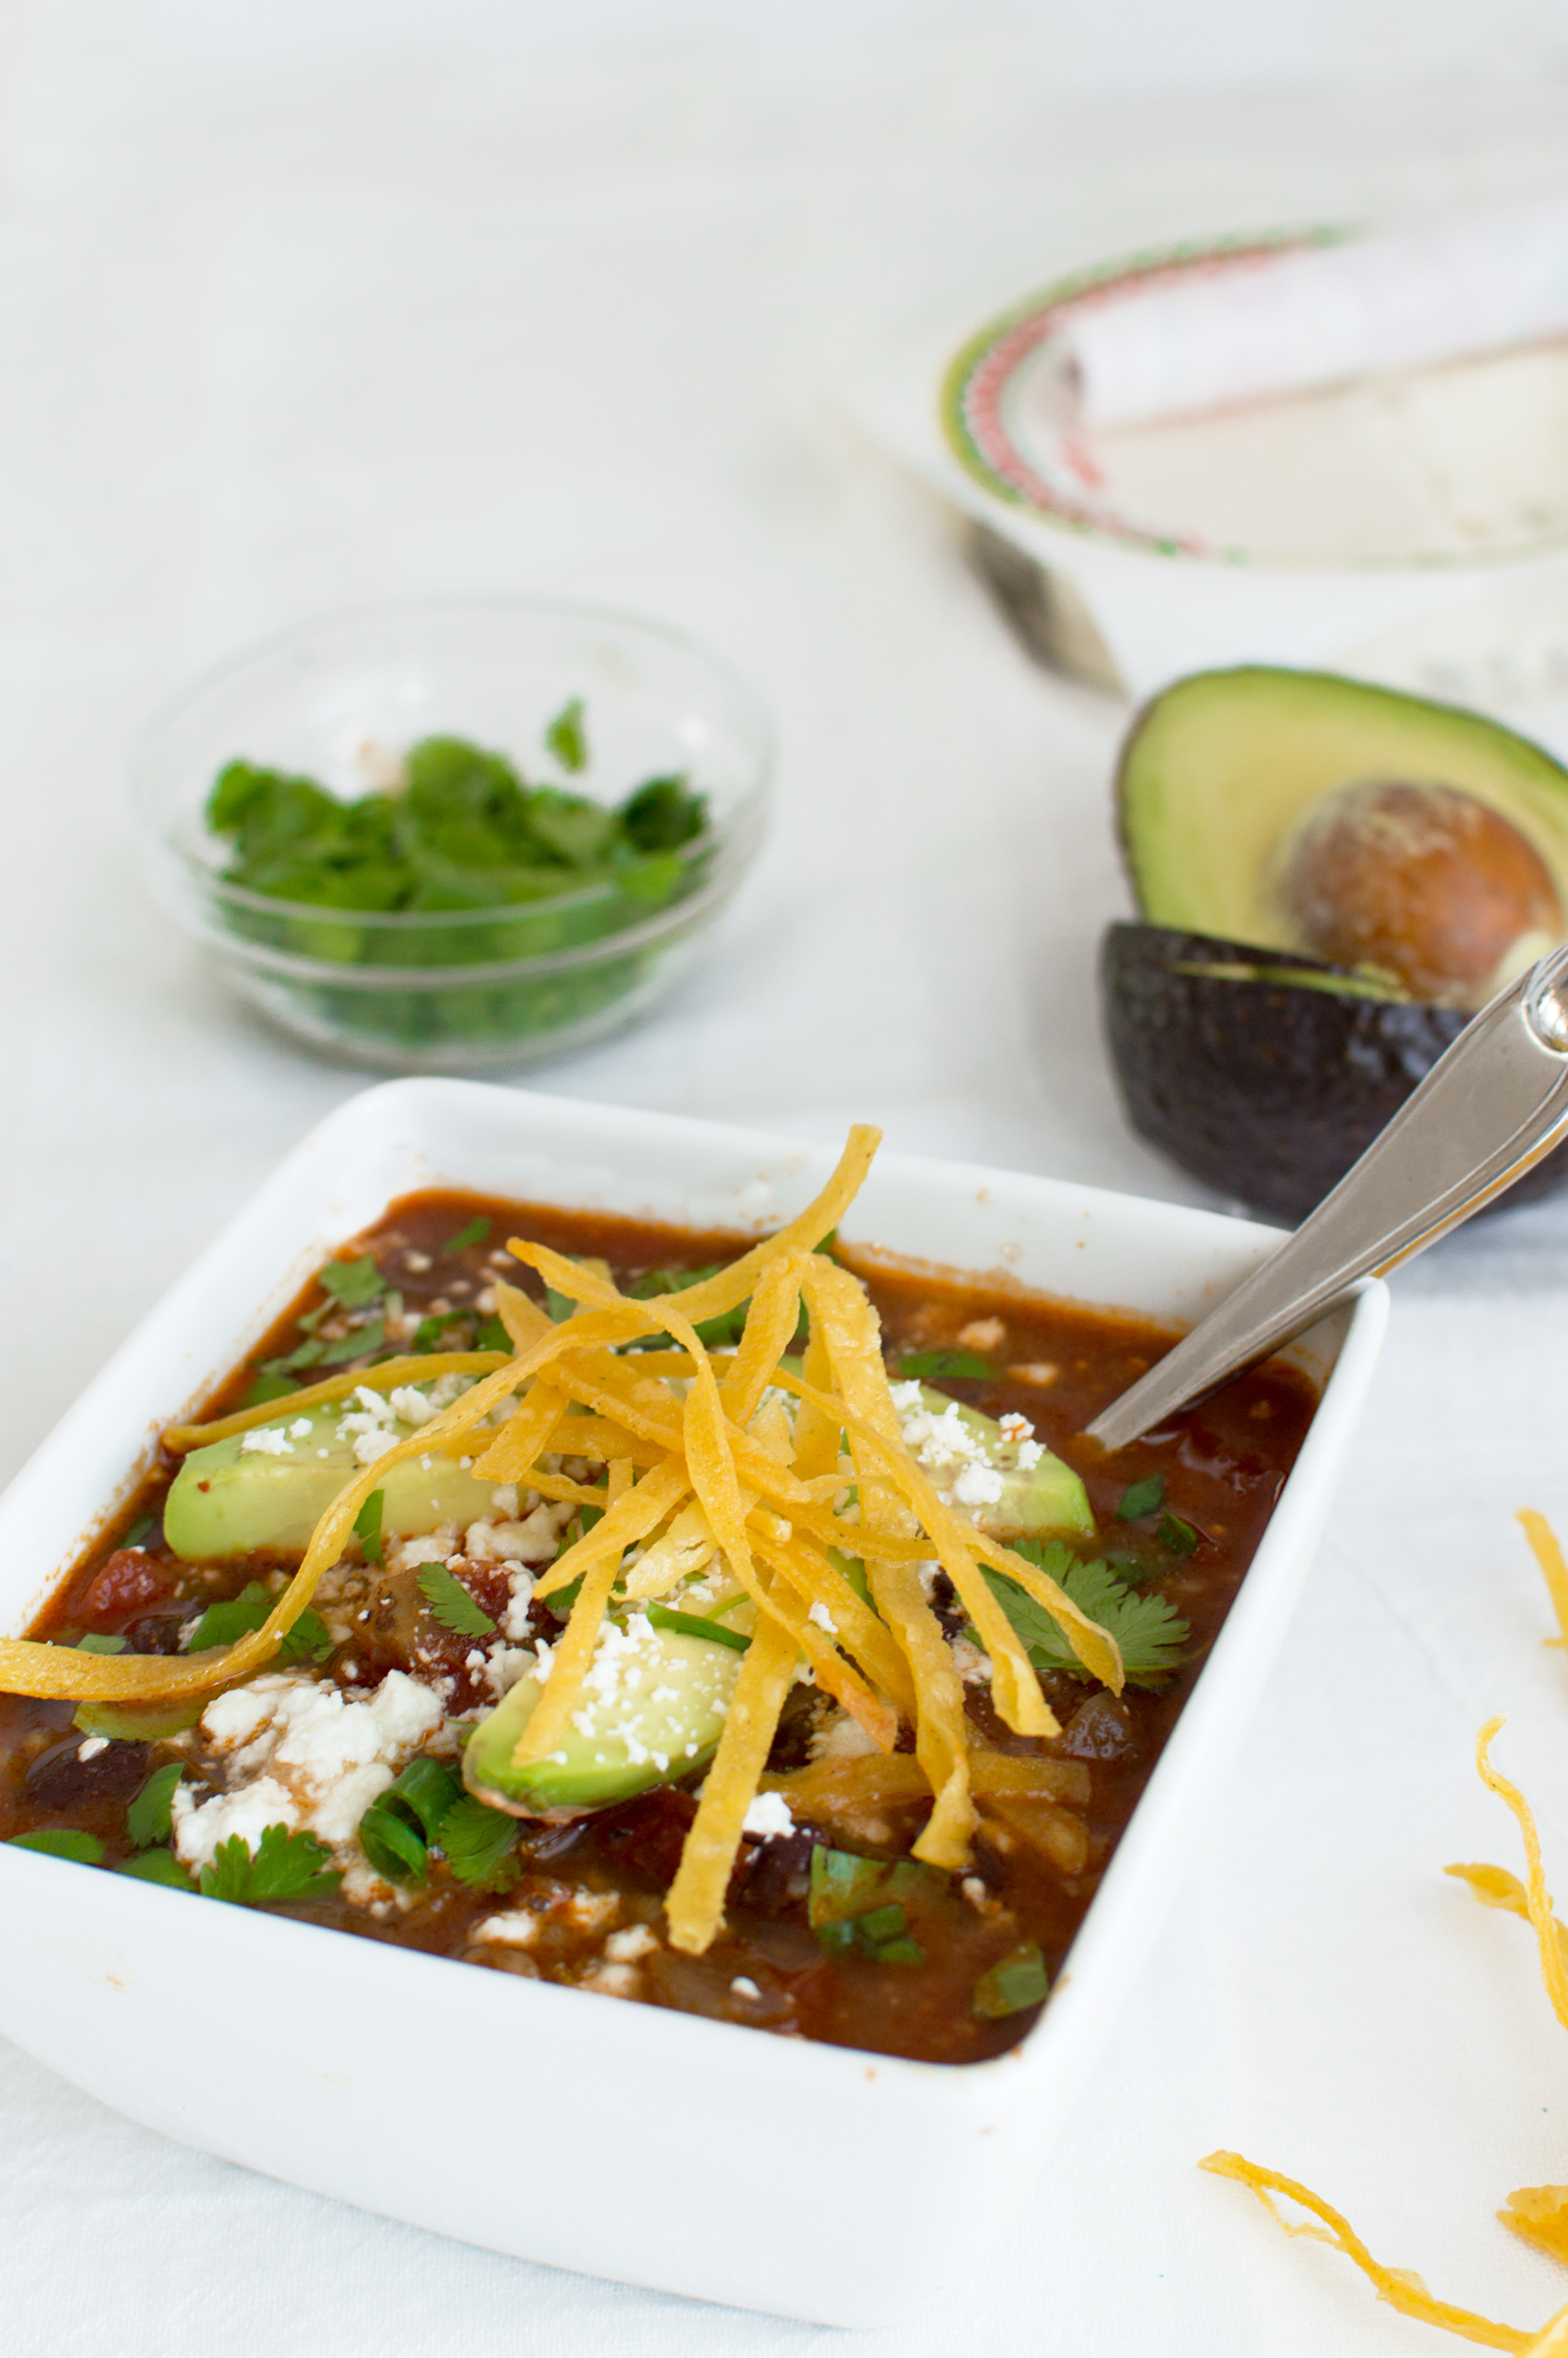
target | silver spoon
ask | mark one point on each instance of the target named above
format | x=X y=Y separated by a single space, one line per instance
x=1490 y=1107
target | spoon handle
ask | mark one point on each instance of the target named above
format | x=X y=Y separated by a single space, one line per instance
x=1490 y=1107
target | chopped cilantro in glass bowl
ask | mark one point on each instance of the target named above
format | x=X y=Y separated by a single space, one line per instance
x=458 y=834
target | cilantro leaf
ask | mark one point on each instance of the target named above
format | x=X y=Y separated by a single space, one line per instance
x=1148 y=1630
x=62 y=1842
x=932 y=1366
x=397 y=1828
x=474 y=1233
x=492 y=1335
x=566 y=738
x=1172 y=1533
x=267 y=1387
x=662 y=815
x=355 y=1344
x=283 y=1866
x=141 y=1532
x=451 y=1605
x=1014 y=1982
x=479 y=1843
x=354 y=1283
x=95 y=1643
x=158 y=1867
x=367 y=1527
x=431 y=1332
x=724 y=1329
x=304 y=1355
x=234 y=1617
x=1141 y=1499
x=147 y=1820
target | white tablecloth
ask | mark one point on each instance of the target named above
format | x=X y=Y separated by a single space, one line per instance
x=301 y=307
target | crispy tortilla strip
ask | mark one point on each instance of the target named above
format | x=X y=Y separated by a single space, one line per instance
x=694 y=1906
x=1495 y=1888
x=385 y=1377
x=941 y=1744
x=841 y=1310
x=523 y=1437
x=1540 y=2215
x=1094 y=1645
x=818 y=1432
x=524 y=1319
x=1552 y=2340
x=832 y=1672
x=1538 y=1900
x=679 y=1553
x=630 y=1519
x=892 y=1777
x=1548 y=1555
x=575 y=1649
x=771 y=1326
x=1400 y=2287
x=813 y=1577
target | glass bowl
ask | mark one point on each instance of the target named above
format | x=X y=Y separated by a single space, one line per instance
x=339 y=701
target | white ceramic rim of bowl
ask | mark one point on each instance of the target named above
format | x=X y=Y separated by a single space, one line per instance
x=835 y=2162
x=730 y=842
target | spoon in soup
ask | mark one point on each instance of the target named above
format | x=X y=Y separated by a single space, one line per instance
x=1490 y=1107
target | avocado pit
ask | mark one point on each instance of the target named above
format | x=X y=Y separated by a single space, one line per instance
x=1423 y=882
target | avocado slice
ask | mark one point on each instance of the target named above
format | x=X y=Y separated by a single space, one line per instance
x=228 y=1501
x=660 y=1719
x=1219 y=772
x=1046 y=1497
x=1266 y=1077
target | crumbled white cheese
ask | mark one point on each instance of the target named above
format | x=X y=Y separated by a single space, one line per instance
x=90 y=1750
x=612 y=1981
x=533 y=1540
x=515 y=1622
x=742 y=1985
x=624 y=1949
x=767 y=1814
x=417 y=1262
x=842 y=1739
x=407 y=1555
x=1015 y=1428
x=408 y=1403
x=515 y=1927
x=504 y=1501
x=978 y=1486
x=268 y=1440
x=199 y=1826
x=973 y=1667
x=823 y=1619
x=326 y=1755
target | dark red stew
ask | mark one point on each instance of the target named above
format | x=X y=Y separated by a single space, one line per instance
x=830 y=1933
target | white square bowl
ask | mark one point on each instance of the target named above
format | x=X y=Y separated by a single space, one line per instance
x=691 y=2156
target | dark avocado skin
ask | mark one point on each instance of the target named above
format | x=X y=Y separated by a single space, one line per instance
x=1266 y=1092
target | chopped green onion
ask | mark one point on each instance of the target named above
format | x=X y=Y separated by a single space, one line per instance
x=1140 y=1499
x=695 y=1625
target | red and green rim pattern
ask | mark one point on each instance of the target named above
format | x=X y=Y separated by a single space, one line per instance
x=974 y=388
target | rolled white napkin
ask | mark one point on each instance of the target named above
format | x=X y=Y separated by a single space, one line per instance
x=1288 y=322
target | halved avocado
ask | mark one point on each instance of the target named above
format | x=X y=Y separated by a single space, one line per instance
x=1263 y=1070
x=1217 y=775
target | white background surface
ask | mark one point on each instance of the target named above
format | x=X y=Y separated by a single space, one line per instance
x=299 y=306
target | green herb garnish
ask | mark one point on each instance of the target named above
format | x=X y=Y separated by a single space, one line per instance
x=140 y=1532
x=234 y=1617
x=353 y=1284
x=62 y=1842
x=304 y=1355
x=857 y=1903
x=1172 y=1533
x=492 y=1335
x=566 y=739
x=451 y=1603
x=695 y=1625
x=430 y=1334
x=1014 y=1982
x=479 y=1843
x=266 y=1389
x=283 y=1866
x=475 y=1233
x=1149 y=1632
x=93 y=1643
x=399 y=1824
x=147 y=1820
x=355 y=1344
x=367 y=1527
x=158 y=1867
x=1141 y=1499
x=933 y=1367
